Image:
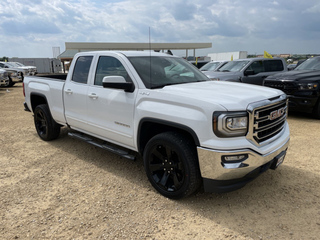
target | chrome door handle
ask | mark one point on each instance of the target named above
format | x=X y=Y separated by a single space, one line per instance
x=68 y=91
x=93 y=96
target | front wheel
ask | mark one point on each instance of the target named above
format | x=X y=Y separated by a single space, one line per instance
x=171 y=165
x=46 y=127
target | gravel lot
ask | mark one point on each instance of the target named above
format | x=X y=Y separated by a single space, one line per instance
x=68 y=189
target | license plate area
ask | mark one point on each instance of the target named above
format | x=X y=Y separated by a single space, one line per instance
x=278 y=160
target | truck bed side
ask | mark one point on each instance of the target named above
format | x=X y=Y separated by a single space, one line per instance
x=46 y=90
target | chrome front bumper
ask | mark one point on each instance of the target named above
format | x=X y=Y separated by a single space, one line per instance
x=234 y=174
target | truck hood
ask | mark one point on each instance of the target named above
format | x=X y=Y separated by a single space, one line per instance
x=232 y=96
x=223 y=75
x=296 y=75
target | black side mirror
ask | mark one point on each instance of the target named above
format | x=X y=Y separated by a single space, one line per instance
x=249 y=72
x=117 y=82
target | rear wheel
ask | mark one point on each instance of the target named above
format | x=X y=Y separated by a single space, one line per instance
x=46 y=127
x=170 y=162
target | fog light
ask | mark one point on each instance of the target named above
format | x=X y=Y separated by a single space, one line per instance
x=234 y=158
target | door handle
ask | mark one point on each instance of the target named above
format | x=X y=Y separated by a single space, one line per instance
x=68 y=91
x=93 y=96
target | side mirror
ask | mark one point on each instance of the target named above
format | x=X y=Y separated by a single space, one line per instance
x=248 y=72
x=117 y=82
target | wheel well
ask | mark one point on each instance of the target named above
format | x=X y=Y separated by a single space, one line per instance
x=151 y=127
x=37 y=100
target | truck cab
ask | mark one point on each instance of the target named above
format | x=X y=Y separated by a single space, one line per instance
x=249 y=70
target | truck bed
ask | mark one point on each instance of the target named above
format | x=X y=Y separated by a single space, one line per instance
x=59 y=76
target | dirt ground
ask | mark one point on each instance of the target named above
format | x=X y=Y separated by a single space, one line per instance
x=68 y=189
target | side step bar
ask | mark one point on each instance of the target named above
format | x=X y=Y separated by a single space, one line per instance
x=103 y=145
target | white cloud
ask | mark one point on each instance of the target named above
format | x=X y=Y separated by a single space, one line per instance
x=32 y=28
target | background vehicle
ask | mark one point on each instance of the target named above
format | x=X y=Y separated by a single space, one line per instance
x=188 y=129
x=301 y=85
x=4 y=79
x=199 y=63
x=32 y=70
x=212 y=66
x=291 y=66
x=21 y=72
x=249 y=70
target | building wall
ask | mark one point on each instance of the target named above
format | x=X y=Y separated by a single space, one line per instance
x=227 y=55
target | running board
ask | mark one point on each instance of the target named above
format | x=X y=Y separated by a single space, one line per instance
x=104 y=145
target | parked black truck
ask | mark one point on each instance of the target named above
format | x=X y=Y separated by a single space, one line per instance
x=301 y=86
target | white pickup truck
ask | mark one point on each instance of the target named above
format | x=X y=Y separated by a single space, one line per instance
x=188 y=129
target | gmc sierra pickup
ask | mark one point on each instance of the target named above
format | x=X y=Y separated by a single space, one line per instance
x=188 y=129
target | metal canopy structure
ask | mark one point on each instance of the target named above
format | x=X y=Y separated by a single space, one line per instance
x=74 y=47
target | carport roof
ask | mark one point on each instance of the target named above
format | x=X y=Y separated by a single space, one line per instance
x=74 y=47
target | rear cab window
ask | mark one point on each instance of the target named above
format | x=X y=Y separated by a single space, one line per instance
x=81 y=69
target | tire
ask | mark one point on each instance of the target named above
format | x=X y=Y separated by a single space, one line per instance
x=11 y=83
x=46 y=127
x=171 y=165
x=316 y=110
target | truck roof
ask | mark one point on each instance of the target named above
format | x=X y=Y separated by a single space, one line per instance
x=255 y=59
x=130 y=53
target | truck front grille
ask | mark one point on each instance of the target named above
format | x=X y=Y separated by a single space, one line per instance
x=267 y=121
x=286 y=86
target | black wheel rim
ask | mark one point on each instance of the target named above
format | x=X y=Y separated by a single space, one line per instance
x=41 y=123
x=166 y=168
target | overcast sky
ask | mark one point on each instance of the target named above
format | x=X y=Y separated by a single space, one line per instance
x=31 y=28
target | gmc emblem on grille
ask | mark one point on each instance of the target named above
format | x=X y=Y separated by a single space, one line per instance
x=277 y=113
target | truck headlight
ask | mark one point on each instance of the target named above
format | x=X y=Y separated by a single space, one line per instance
x=307 y=86
x=230 y=124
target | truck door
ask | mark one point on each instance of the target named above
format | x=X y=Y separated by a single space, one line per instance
x=255 y=73
x=75 y=94
x=111 y=111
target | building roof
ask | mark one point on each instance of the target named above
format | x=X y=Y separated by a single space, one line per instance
x=74 y=47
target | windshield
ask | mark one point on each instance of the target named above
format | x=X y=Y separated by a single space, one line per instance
x=310 y=64
x=211 y=66
x=158 y=72
x=9 y=64
x=18 y=64
x=233 y=66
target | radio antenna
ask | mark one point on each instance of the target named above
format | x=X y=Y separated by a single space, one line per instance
x=150 y=56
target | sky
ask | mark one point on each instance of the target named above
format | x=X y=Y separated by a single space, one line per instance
x=32 y=28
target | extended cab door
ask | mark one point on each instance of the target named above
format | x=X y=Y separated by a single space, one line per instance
x=111 y=111
x=75 y=93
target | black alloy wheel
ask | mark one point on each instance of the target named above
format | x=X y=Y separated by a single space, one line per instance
x=171 y=165
x=46 y=127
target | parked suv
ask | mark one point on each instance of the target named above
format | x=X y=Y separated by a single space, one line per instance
x=249 y=70
x=301 y=85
